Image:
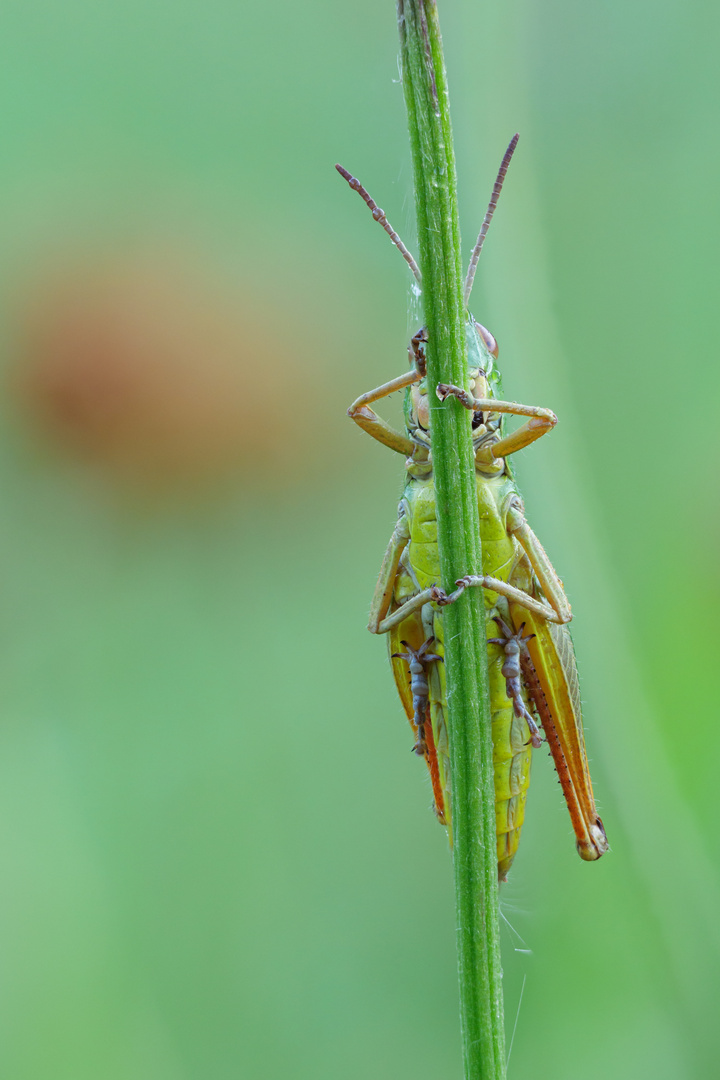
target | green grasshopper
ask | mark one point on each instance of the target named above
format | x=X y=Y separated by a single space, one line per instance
x=532 y=669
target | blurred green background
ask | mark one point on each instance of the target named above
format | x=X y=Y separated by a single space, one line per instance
x=217 y=857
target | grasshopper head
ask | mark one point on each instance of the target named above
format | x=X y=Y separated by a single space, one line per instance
x=483 y=375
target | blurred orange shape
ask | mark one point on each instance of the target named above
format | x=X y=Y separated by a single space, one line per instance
x=144 y=366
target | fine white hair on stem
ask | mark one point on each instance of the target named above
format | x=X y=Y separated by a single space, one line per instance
x=497 y=188
x=517 y=1017
x=380 y=217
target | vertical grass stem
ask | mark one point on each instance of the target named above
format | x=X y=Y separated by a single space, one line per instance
x=473 y=795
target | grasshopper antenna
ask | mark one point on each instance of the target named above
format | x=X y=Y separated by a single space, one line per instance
x=379 y=216
x=497 y=188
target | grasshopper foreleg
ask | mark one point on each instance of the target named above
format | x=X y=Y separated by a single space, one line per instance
x=541 y=421
x=417 y=660
x=373 y=424
x=514 y=645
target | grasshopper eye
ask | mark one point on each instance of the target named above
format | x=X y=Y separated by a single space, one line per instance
x=490 y=343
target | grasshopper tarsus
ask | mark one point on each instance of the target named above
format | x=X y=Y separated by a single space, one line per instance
x=445 y=390
x=417 y=351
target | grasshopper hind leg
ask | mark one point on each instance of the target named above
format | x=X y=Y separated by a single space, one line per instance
x=515 y=647
x=418 y=661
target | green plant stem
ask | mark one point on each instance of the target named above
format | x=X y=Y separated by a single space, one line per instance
x=469 y=723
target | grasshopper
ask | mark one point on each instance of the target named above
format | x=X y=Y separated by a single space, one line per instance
x=532 y=669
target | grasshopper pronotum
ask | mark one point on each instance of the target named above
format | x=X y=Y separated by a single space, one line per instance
x=532 y=670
